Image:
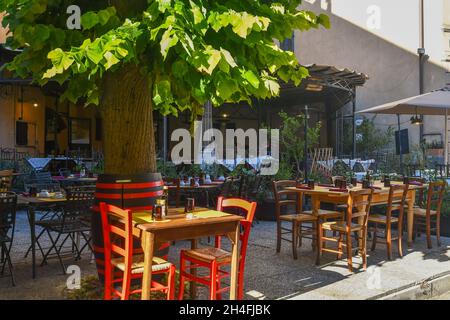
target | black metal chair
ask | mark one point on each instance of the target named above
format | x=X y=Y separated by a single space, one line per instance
x=8 y=203
x=49 y=186
x=74 y=224
x=48 y=214
x=41 y=177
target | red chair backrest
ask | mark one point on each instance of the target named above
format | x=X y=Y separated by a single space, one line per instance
x=117 y=226
x=246 y=206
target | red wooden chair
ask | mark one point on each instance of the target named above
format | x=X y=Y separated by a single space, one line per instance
x=215 y=258
x=123 y=263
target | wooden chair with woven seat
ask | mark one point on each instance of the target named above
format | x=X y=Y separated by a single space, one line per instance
x=423 y=216
x=358 y=207
x=215 y=258
x=396 y=203
x=419 y=201
x=283 y=200
x=123 y=263
x=299 y=218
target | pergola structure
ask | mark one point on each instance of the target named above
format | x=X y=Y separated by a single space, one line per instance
x=334 y=86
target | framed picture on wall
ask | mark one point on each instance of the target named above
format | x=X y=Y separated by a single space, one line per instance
x=80 y=135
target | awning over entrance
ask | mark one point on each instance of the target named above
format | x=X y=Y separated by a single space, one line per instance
x=330 y=83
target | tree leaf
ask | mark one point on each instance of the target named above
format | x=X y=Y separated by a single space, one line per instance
x=162 y=93
x=228 y=58
x=110 y=60
x=168 y=40
x=89 y=20
x=226 y=88
x=251 y=78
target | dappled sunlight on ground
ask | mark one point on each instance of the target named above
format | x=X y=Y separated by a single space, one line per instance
x=268 y=275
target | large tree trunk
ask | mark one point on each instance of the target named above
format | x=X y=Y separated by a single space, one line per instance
x=128 y=134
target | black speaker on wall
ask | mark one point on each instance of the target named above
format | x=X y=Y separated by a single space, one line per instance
x=403 y=137
x=21 y=133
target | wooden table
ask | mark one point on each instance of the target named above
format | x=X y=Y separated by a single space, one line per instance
x=177 y=227
x=32 y=204
x=380 y=197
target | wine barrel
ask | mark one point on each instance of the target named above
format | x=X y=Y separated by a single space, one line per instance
x=134 y=192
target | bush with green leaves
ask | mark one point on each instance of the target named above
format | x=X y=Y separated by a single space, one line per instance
x=215 y=170
x=167 y=169
x=372 y=139
x=292 y=140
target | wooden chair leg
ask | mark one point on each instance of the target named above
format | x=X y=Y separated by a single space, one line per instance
x=213 y=281
x=171 y=283
x=374 y=240
x=389 y=242
x=218 y=287
x=400 y=238
x=314 y=235
x=364 y=249
x=414 y=230
x=182 y=280
x=339 y=255
x=294 y=239
x=278 y=236
x=349 y=252
x=300 y=237
x=438 y=230
x=429 y=232
x=319 y=242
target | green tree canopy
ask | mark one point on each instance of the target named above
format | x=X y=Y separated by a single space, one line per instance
x=193 y=50
x=135 y=56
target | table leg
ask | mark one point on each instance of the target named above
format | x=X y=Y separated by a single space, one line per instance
x=148 y=241
x=234 y=264
x=411 y=201
x=193 y=271
x=315 y=203
x=32 y=221
x=315 y=207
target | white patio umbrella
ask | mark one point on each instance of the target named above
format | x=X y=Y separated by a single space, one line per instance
x=433 y=103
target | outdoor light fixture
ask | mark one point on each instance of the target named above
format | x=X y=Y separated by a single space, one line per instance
x=35 y=103
x=224 y=115
x=314 y=87
x=416 y=120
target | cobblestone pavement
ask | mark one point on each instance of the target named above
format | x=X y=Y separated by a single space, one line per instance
x=268 y=275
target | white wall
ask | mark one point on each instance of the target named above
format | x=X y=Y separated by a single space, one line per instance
x=388 y=55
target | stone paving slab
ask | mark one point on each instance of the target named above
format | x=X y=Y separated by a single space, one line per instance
x=268 y=275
